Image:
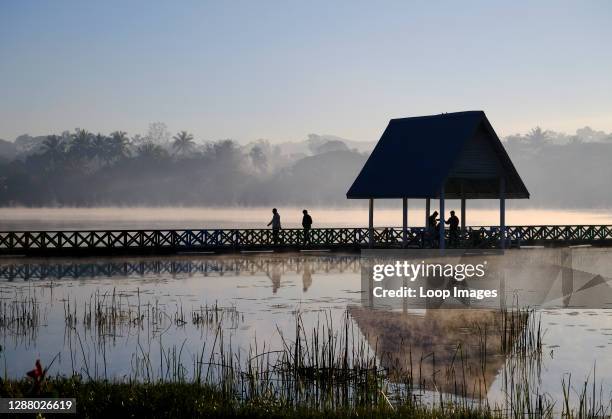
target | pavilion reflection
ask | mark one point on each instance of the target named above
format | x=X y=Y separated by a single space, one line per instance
x=455 y=346
x=551 y=278
x=453 y=351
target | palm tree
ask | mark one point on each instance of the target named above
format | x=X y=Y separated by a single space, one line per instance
x=538 y=136
x=54 y=149
x=183 y=142
x=53 y=146
x=119 y=145
x=81 y=145
x=100 y=148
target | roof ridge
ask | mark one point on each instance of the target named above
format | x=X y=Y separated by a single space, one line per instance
x=445 y=114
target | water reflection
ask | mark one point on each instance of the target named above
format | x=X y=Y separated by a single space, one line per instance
x=274 y=267
x=453 y=351
x=111 y=317
x=552 y=278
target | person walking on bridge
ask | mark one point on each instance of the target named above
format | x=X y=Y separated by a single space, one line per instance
x=276 y=225
x=306 y=224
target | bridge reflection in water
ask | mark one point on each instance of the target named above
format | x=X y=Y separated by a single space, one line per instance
x=176 y=266
x=570 y=277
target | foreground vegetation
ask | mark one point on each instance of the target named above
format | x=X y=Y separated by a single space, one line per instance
x=193 y=400
x=320 y=372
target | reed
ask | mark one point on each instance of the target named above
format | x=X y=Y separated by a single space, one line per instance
x=326 y=368
x=20 y=318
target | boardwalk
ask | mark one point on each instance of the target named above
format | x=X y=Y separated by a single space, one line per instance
x=111 y=242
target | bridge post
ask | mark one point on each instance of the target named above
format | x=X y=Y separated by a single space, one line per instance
x=371 y=224
x=462 y=236
x=502 y=212
x=404 y=222
x=442 y=237
x=427 y=210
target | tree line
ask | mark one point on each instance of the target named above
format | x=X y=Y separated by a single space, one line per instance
x=80 y=168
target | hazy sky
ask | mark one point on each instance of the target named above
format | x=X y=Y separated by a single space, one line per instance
x=281 y=70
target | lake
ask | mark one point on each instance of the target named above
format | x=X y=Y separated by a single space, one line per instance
x=175 y=317
x=156 y=317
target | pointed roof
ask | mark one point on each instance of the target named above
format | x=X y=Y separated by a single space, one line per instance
x=416 y=156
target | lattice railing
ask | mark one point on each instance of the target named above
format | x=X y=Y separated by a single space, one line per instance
x=12 y=242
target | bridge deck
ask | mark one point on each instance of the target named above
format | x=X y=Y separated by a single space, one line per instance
x=109 y=242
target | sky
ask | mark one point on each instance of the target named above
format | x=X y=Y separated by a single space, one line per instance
x=281 y=70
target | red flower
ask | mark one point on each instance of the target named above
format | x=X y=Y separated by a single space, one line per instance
x=37 y=373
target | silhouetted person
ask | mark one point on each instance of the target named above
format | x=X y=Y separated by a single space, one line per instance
x=430 y=228
x=431 y=220
x=453 y=230
x=306 y=223
x=276 y=225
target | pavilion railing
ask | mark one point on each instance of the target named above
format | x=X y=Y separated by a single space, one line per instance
x=16 y=242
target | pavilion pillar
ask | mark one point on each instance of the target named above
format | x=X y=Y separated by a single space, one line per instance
x=404 y=222
x=462 y=215
x=371 y=224
x=442 y=218
x=502 y=212
x=427 y=211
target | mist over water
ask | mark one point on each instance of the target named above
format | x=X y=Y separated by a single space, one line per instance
x=258 y=217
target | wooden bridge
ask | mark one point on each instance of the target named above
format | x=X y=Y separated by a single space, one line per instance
x=113 y=242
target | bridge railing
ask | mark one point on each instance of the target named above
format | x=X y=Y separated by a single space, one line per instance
x=12 y=242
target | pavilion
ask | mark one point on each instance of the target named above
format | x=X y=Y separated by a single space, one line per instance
x=447 y=156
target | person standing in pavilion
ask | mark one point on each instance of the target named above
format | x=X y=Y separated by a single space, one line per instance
x=453 y=229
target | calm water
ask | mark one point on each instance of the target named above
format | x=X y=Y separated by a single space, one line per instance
x=258 y=298
x=234 y=217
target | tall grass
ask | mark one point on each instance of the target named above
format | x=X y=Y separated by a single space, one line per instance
x=326 y=367
x=330 y=365
x=20 y=317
